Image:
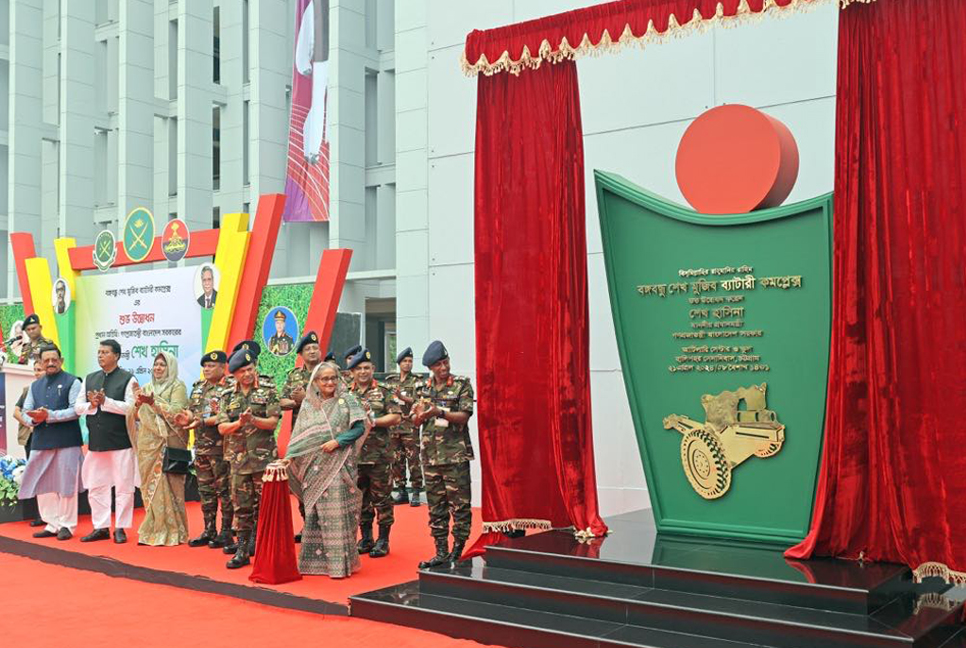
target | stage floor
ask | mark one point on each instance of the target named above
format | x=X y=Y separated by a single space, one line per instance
x=203 y=569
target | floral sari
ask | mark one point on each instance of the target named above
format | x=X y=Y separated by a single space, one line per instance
x=165 y=519
x=326 y=481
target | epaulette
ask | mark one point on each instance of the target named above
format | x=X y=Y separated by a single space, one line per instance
x=198 y=382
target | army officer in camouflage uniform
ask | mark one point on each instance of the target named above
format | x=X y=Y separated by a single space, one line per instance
x=375 y=458
x=35 y=339
x=212 y=470
x=249 y=414
x=444 y=407
x=404 y=438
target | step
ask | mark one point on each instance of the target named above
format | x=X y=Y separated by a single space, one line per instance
x=670 y=610
x=512 y=626
x=752 y=573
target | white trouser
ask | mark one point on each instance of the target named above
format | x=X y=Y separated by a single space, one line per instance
x=100 y=499
x=58 y=511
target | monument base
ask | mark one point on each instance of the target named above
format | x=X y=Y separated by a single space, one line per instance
x=638 y=588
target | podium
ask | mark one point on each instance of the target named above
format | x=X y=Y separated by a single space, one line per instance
x=13 y=379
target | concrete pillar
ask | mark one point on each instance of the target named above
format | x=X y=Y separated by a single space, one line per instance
x=135 y=120
x=194 y=112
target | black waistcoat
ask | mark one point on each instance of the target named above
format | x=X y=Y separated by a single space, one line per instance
x=53 y=392
x=108 y=431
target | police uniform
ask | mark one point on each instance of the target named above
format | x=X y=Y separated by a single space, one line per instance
x=375 y=464
x=248 y=451
x=32 y=348
x=404 y=438
x=212 y=470
x=446 y=452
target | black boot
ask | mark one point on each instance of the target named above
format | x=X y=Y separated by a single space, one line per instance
x=241 y=557
x=414 y=498
x=251 y=541
x=207 y=535
x=227 y=536
x=365 y=542
x=441 y=557
x=232 y=546
x=454 y=556
x=381 y=548
x=401 y=497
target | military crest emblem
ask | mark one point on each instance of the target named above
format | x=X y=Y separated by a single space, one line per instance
x=174 y=240
x=105 y=250
x=138 y=234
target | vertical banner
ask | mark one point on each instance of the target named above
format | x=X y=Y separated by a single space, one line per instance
x=307 y=177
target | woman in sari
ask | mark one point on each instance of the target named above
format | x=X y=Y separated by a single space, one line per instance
x=322 y=467
x=160 y=409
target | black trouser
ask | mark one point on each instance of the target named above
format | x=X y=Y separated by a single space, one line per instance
x=26 y=447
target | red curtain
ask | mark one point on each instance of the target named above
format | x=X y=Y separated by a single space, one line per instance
x=532 y=344
x=275 y=561
x=893 y=474
x=614 y=17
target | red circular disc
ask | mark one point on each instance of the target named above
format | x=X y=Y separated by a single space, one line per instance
x=735 y=159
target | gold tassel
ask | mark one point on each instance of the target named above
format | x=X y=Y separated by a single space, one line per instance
x=697 y=23
x=938 y=570
x=276 y=471
x=516 y=523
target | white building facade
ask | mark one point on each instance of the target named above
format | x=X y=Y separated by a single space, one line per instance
x=182 y=106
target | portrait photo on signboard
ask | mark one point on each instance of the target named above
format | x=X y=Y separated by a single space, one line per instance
x=207 y=280
x=60 y=296
x=280 y=330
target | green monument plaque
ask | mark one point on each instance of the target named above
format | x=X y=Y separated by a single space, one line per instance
x=723 y=327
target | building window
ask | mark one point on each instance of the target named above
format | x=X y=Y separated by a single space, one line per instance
x=216 y=46
x=173 y=59
x=245 y=40
x=216 y=217
x=216 y=148
x=173 y=157
x=246 y=179
x=371 y=107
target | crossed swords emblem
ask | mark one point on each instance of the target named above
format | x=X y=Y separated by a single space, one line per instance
x=139 y=236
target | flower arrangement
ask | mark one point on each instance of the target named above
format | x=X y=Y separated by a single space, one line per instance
x=11 y=474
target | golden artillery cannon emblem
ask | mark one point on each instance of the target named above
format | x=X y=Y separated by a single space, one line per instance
x=710 y=451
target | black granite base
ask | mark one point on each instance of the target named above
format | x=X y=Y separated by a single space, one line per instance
x=639 y=588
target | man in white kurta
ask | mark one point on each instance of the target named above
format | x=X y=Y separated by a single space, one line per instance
x=106 y=398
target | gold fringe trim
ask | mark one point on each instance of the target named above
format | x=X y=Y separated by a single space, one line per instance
x=846 y=3
x=276 y=471
x=516 y=523
x=585 y=536
x=938 y=570
x=935 y=601
x=696 y=24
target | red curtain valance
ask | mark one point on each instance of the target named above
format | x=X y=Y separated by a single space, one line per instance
x=607 y=26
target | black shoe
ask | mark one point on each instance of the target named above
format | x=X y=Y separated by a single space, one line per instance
x=251 y=544
x=97 y=534
x=515 y=533
x=45 y=534
x=231 y=547
x=414 y=498
x=441 y=557
x=241 y=557
x=36 y=523
x=381 y=548
x=457 y=553
x=365 y=542
x=221 y=540
x=64 y=534
x=206 y=536
x=119 y=536
x=298 y=537
x=401 y=497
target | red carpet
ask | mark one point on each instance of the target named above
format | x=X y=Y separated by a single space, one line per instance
x=45 y=605
x=410 y=543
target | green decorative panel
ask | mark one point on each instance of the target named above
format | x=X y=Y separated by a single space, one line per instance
x=723 y=328
x=10 y=313
x=295 y=297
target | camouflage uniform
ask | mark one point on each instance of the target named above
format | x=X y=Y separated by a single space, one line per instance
x=298 y=377
x=211 y=468
x=446 y=453
x=404 y=438
x=249 y=450
x=32 y=348
x=375 y=458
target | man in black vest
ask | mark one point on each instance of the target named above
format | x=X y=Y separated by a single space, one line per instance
x=105 y=399
x=53 y=470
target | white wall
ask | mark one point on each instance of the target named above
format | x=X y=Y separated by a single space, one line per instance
x=636 y=105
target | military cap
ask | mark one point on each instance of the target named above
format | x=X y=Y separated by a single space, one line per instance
x=405 y=353
x=329 y=357
x=351 y=351
x=359 y=358
x=31 y=319
x=214 y=356
x=280 y=315
x=248 y=345
x=434 y=353
x=241 y=358
x=308 y=338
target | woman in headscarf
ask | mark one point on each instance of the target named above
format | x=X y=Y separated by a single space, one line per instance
x=322 y=454
x=160 y=409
